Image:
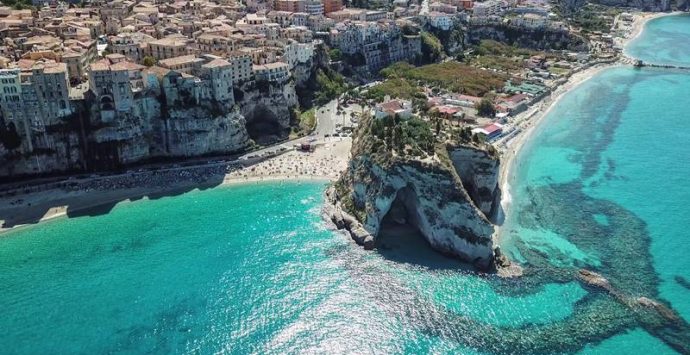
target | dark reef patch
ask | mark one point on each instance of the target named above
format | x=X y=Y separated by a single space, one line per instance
x=682 y=281
x=615 y=240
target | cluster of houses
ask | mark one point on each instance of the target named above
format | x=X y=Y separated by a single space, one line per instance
x=461 y=109
x=195 y=50
x=528 y=14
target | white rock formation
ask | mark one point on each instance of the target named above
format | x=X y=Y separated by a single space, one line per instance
x=428 y=196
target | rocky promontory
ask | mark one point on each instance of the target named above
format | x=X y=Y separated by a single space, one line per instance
x=440 y=183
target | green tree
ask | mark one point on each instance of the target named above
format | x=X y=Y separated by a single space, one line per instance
x=335 y=54
x=399 y=139
x=149 y=61
x=432 y=49
x=485 y=108
x=330 y=85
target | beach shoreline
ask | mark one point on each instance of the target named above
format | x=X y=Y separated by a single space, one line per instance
x=323 y=165
x=530 y=120
x=638 y=27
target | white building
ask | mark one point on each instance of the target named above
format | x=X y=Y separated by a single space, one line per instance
x=440 y=20
x=392 y=108
x=273 y=72
x=241 y=67
x=217 y=76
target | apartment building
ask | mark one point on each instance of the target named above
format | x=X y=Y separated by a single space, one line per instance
x=273 y=72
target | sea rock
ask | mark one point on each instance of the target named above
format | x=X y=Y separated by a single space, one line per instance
x=594 y=279
x=479 y=172
x=368 y=243
x=337 y=218
x=436 y=204
x=348 y=220
x=359 y=234
x=427 y=194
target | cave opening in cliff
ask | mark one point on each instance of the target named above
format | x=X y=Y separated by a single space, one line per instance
x=400 y=237
x=264 y=126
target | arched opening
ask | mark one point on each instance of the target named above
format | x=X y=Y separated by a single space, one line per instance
x=264 y=127
x=401 y=238
x=107 y=103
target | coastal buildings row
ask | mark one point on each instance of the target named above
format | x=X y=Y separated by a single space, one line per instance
x=377 y=44
x=121 y=69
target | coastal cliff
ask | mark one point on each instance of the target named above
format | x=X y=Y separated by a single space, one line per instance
x=444 y=189
x=156 y=127
x=266 y=108
x=540 y=39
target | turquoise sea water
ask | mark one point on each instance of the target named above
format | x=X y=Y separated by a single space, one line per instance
x=251 y=269
x=240 y=269
x=613 y=155
x=665 y=40
x=610 y=151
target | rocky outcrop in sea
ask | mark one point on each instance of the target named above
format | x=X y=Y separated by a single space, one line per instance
x=449 y=197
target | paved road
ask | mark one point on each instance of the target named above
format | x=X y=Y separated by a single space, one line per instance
x=326 y=119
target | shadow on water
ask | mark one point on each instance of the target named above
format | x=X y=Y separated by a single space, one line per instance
x=403 y=243
x=94 y=202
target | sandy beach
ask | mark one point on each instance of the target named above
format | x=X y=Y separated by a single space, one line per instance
x=529 y=120
x=637 y=27
x=325 y=164
x=99 y=195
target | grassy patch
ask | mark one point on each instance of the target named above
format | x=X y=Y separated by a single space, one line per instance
x=452 y=76
x=489 y=47
x=500 y=56
x=400 y=88
x=510 y=65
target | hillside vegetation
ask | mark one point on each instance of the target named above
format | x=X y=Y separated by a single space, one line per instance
x=452 y=76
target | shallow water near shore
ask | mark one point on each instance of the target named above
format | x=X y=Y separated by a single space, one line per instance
x=247 y=268
x=664 y=41
x=611 y=152
x=252 y=269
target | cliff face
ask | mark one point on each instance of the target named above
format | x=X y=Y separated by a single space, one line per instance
x=536 y=39
x=94 y=140
x=58 y=151
x=479 y=172
x=267 y=110
x=193 y=132
x=425 y=193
